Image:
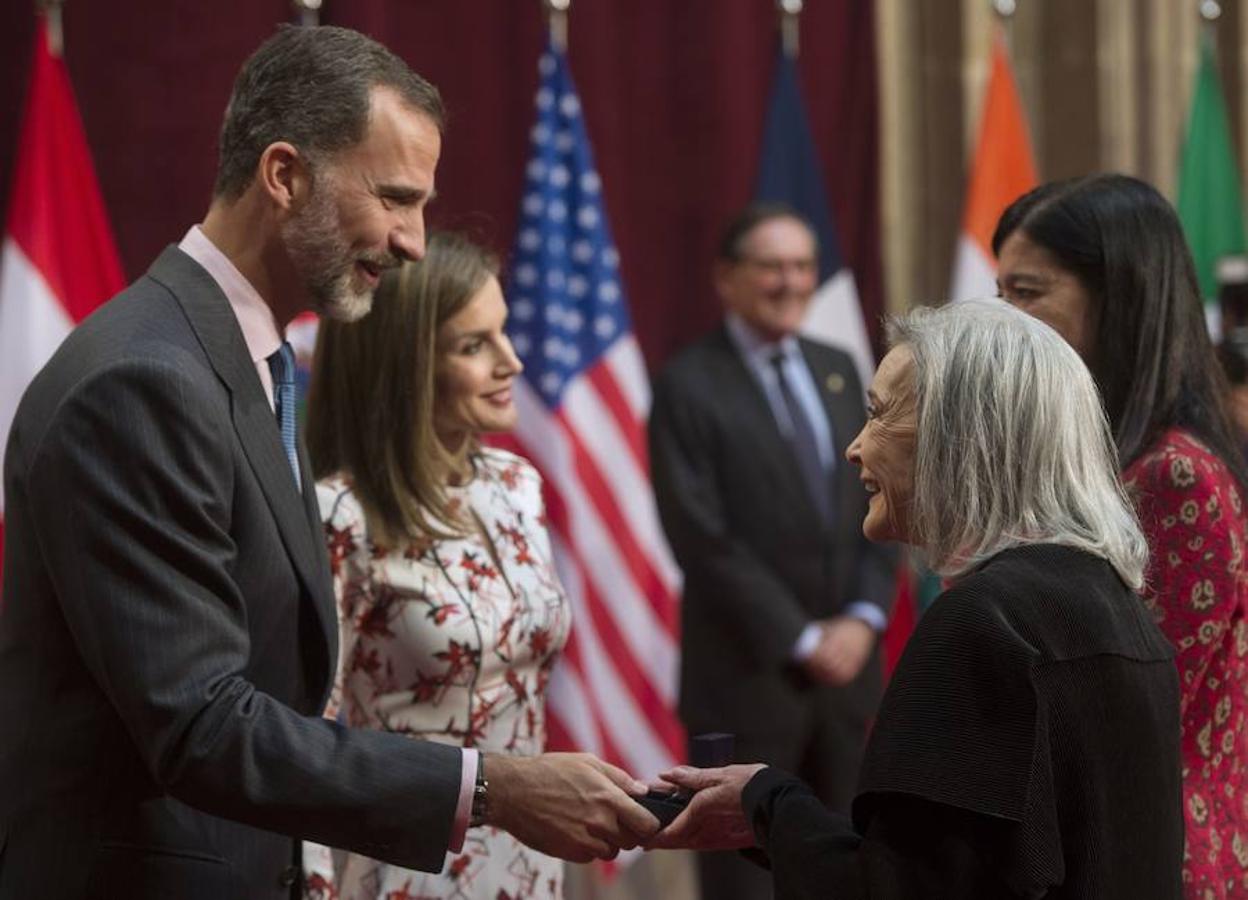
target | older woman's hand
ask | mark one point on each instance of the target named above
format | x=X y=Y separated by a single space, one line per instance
x=714 y=819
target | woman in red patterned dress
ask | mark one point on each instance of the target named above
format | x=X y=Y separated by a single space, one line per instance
x=1103 y=260
x=451 y=613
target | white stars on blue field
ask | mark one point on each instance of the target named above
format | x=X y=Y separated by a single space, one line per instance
x=564 y=290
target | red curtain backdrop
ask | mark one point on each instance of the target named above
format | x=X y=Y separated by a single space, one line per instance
x=673 y=92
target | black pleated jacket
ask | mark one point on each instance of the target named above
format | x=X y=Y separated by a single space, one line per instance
x=1028 y=746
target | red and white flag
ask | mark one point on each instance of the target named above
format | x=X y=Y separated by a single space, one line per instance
x=1003 y=170
x=59 y=261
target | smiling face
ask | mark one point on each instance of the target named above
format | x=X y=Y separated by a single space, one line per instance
x=1032 y=280
x=365 y=211
x=771 y=281
x=475 y=370
x=884 y=449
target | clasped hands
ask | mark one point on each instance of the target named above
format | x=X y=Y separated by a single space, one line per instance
x=579 y=808
x=714 y=819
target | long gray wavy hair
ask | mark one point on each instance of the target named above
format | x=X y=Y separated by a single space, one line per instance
x=1012 y=444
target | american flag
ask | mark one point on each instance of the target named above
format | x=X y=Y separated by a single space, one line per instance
x=583 y=401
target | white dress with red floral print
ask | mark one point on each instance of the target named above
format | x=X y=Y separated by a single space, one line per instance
x=446 y=641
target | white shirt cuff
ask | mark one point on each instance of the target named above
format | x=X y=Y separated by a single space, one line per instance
x=869 y=613
x=807 y=641
x=463 y=809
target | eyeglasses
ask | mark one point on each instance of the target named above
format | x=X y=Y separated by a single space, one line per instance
x=778 y=266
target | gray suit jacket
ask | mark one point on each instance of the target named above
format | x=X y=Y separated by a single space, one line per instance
x=758 y=560
x=167 y=634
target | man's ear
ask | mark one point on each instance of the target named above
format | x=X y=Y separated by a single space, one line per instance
x=283 y=175
x=721 y=274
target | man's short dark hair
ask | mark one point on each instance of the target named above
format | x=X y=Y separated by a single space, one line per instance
x=310 y=87
x=735 y=232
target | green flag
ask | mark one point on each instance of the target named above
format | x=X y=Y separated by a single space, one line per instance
x=1210 y=204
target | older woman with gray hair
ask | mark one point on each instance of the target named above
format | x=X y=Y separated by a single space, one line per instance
x=1028 y=745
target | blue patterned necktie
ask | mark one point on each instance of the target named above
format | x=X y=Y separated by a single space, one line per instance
x=805 y=447
x=282 y=367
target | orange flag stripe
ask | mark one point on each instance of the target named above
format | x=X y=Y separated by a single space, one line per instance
x=1003 y=167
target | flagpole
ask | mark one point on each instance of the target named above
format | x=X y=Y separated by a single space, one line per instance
x=51 y=10
x=1005 y=10
x=789 y=12
x=557 y=21
x=309 y=12
x=1210 y=12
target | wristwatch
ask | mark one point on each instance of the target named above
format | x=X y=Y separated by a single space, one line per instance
x=480 y=795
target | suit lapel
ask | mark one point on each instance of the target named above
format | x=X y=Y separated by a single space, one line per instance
x=313 y=513
x=751 y=409
x=840 y=396
x=294 y=509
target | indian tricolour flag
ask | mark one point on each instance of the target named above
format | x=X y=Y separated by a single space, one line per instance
x=1002 y=170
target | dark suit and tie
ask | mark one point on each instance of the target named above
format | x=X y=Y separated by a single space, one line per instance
x=748 y=433
x=160 y=559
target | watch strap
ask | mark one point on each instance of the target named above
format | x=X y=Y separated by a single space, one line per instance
x=480 y=795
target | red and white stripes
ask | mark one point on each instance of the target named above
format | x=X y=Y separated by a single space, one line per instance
x=59 y=261
x=615 y=692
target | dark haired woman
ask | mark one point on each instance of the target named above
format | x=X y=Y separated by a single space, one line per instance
x=451 y=612
x=1103 y=261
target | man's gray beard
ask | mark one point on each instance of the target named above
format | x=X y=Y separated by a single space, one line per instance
x=323 y=259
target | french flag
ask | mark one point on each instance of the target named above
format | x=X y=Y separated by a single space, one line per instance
x=788 y=172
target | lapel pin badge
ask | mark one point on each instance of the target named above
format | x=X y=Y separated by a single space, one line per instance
x=835 y=383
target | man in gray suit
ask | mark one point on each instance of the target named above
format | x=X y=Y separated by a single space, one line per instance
x=168 y=634
x=783 y=597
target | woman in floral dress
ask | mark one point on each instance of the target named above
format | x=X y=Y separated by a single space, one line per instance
x=1103 y=260
x=450 y=610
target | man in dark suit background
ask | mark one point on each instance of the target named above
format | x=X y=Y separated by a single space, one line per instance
x=168 y=633
x=784 y=598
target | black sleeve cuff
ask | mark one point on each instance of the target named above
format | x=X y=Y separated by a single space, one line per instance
x=760 y=794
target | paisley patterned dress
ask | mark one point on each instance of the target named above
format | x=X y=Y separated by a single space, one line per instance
x=1197 y=587
x=447 y=641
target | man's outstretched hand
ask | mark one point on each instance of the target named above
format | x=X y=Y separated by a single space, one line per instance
x=714 y=819
x=570 y=805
